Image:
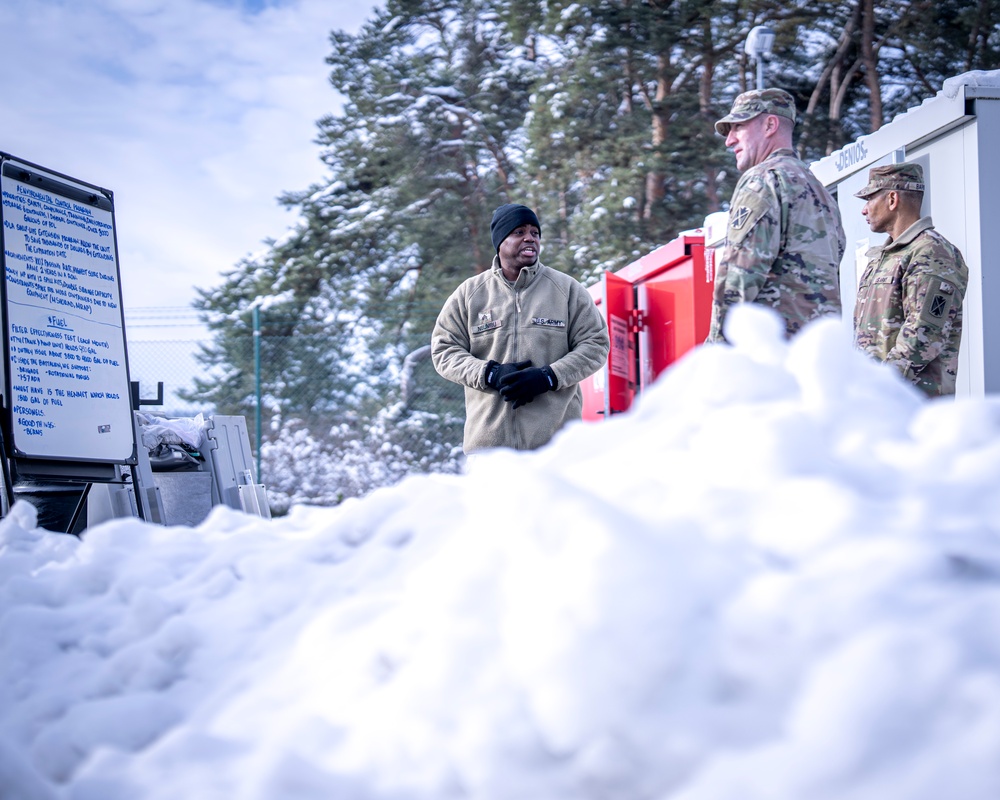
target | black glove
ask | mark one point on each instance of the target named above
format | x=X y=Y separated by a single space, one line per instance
x=524 y=386
x=496 y=372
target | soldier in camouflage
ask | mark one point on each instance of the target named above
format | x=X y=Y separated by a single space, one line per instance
x=785 y=239
x=909 y=306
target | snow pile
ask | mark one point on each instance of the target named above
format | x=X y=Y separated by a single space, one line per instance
x=779 y=577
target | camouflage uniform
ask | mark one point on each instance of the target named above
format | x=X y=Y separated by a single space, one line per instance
x=909 y=308
x=783 y=245
x=785 y=239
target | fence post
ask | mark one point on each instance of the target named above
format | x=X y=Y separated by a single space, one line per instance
x=256 y=375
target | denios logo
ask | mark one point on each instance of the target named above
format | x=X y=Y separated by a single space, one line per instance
x=849 y=156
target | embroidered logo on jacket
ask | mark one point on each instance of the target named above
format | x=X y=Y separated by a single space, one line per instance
x=488 y=326
x=548 y=323
x=938 y=305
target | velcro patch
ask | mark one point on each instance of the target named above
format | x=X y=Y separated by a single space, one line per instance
x=488 y=326
x=938 y=302
x=548 y=323
x=745 y=217
x=740 y=217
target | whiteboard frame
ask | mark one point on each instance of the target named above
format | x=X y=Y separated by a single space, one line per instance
x=72 y=447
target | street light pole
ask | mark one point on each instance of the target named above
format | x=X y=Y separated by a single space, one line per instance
x=758 y=46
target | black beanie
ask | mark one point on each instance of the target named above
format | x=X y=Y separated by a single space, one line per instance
x=508 y=217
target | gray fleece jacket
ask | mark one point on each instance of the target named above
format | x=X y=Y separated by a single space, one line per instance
x=545 y=316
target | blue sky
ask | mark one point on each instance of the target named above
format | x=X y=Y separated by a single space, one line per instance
x=197 y=114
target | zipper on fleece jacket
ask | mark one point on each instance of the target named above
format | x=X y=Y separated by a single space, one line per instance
x=517 y=357
x=516 y=436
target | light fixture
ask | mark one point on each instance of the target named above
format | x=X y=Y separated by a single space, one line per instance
x=758 y=46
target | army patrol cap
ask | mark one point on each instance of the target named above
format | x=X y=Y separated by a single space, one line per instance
x=902 y=177
x=756 y=102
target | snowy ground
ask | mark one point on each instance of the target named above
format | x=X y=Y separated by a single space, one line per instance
x=777 y=579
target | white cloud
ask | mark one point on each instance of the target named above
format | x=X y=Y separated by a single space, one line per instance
x=196 y=114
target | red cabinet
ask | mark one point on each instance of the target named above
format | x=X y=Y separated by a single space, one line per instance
x=657 y=309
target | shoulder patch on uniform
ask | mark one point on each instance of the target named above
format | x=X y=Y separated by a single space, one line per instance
x=739 y=217
x=938 y=302
x=745 y=216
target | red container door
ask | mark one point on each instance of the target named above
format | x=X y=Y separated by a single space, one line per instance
x=611 y=389
x=657 y=331
x=675 y=311
x=657 y=309
x=619 y=308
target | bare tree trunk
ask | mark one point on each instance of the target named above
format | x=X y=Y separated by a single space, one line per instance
x=830 y=77
x=978 y=35
x=661 y=124
x=629 y=65
x=869 y=59
x=472 y=209
x=705 y=109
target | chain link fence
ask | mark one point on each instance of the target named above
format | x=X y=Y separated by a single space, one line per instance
x=163 y=344
x=306 y=452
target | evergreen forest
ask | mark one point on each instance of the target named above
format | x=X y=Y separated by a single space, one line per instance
x=597 y=114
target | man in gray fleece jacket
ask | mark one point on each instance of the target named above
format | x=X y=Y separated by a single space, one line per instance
x=519 y=337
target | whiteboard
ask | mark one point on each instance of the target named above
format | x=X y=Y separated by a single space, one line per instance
x=66 y=381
